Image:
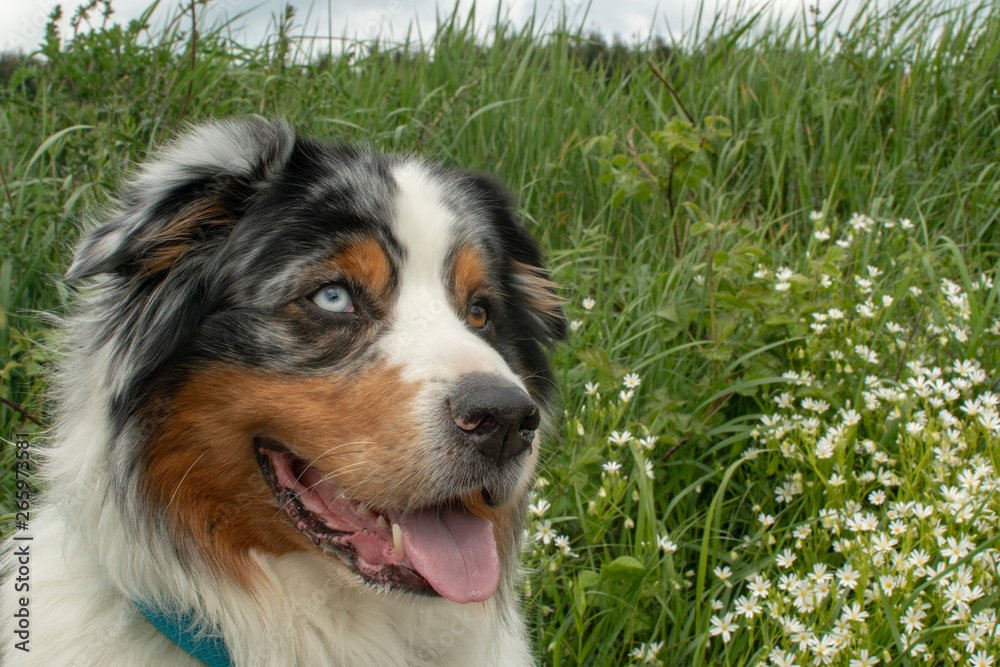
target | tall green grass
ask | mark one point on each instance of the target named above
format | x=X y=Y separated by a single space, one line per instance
x=896 y=115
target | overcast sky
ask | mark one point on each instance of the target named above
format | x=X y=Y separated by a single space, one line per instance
x=22 y=22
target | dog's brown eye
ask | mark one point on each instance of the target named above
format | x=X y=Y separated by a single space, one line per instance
x=478 y=317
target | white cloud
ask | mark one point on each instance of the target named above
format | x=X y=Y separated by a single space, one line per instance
x=24 y=23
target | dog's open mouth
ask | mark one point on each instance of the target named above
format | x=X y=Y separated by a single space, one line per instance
x=445 y=549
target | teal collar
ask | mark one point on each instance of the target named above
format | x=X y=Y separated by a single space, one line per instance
x=204 y=643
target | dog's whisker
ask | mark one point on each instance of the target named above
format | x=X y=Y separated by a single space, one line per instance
x=186 y=472
x=345 y=468
x=306 y=468
x=283 y=507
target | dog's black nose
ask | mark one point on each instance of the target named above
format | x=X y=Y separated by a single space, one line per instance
x=494 y=416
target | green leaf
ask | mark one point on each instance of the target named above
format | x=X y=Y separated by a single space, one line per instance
x=596 y=358
x=669 y=312
x=624 y=566
x=587 y=578
x=719 y=353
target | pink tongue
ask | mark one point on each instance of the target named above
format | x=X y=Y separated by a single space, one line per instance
x=454 y=550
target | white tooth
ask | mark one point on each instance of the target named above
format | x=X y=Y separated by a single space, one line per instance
x=382 y=523
x=397 y=540
x=363 y=509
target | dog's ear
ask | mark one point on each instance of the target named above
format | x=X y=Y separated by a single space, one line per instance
x=538 y=304
x=156 y=256
x=190 y=192
x=542 y=298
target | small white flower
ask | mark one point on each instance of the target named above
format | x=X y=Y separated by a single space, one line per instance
x=866 y=354
x=815 y=404
x=723 y=572
x=747 y=607
x=861 y=222
x=724 y=626
x=759 y=587
x=622 y=438
x=863 y=660
x=540 y=508
x=785 y=400
x=647 y=652
x=851 y=417
x=956 y=549
x=990 y=421
x=785 y=559
x=853 y=613
x=665 y=543
x=847 y=577
x=825 y=448
x=611 y=467
x=545 y=532
x=589 y=303
x=631 y=381
x=980 y=659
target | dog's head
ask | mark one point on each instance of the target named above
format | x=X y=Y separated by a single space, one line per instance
x=357 y=338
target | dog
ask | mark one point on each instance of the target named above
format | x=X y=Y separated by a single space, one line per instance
x=298 y=416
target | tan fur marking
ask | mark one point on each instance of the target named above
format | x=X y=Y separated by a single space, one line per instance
x=363 y=264
x=361 y=429
x=201 y=466
x=470 y=276
x=540 y=291
x=169 y=243
x=367 y=263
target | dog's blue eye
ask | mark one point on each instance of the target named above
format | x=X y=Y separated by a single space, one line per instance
x=334 y=299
